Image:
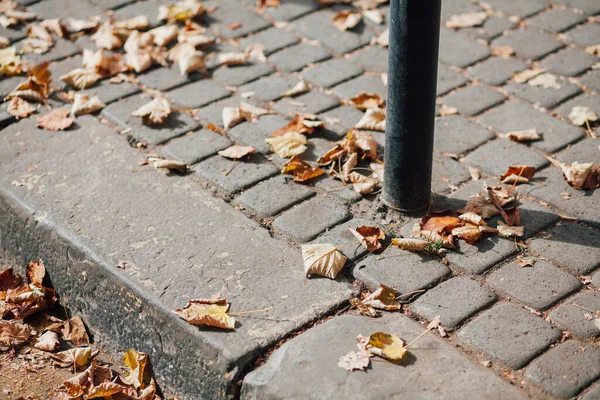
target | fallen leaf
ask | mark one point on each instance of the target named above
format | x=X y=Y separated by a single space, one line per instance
x=77 y=357
x=528 y=74
x=78 y=25
x=369 y=237
x=411 y=244
x=480 y=206
x=74 y=331
x=13 y=334
x=384 y=298
x=378 y=170
x=503 y=51
x=363 y=308
x=580 y=115
x=518 y=174
x=593 y=49
x=20 y=108
x=510 y=231
x=300 y=87
x=165 y=34
x=138 y=374
x=546 y=80
x=383 y=40
x=365 y=101
x=303 y=123
x=289 y=145
x=47 y=342
x=447 y=110
x=526 y=262
x=235 y=152
x=170 y=165
x=39 y=32
x=475 y=174
x=473 y=229
x=442 y=224
x=207 y=312
x=362 y=184
x=81 y=78
x=375 y=15
x=106 y=37
x=104 y=390
x=154 y=112
x=526 y=135
x=139 y=22
x=181 y=11
x=346 y=19
x=466 y=20
x=191 y=62
x=373 y=120
x=8 y=280
x=388 y=346
x=581 y=176
x=301 y=170
x=56 y=120
x=355 y=360
x=322 y=259
x=267 y=3
x=84 y=104
x=332 y=155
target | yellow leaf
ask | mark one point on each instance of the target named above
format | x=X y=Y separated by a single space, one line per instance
x=289 y=145
x=390 y=347
x=207 y=312
x=138 y=373
x=78 y=357
x=322 y=259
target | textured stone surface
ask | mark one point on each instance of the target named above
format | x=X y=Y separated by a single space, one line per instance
x=304 y=222
x=481 y=256
x=297 y=57
x=545 y=97
x=474 y=99
x=454 y=301
x=509 y=334
x=591 y=79
x=538 y=287
x=585 y=100
x=255 y=133
x=446 y=173
x=556 y=20
x=313 y=102
x=62 y=48
x=519 y=8
x=240 y=74
x=364 y=83
x=372 y=59
x=287 y=11
x=495 y=157
x=60 y=68
x=332 y=72
x=571 y=317
x=270 y=88
x=229 y=12
x=589 y=7
x=273 y=39
x=459 y=50
x=448 y=79
x=337 y=189
x=434 y=369
x=166 y=78
x=198 y=94
x=457 y=135
x=195 y=146
x=569 y=62
x=592 y=394
x=492 y=27
x=341 y=237
x=273 y=196
x=56 y=9
x=110 y=4
x=497 y=70
x=13 y=33
x=109 y=92
x=529 y=44
x=149 y=8
x=584 y=35
x=344 y=117
x=566 y=369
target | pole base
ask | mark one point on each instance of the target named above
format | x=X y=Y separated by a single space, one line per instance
x=394 y=205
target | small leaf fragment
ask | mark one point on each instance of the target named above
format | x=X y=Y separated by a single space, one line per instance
x=78 y=357
x=545 y=80
x=369 y=237
x=514 y=172
x=138 y=374
x=364 y=101
x=47 y=342
x=20 y=108
x=466 y=20
x=510 y=231
x=346 y=19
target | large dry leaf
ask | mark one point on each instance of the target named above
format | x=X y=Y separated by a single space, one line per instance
x=580 y=115
x=36 y=271
x=138 y=374
x=139 y=22
x=289 y=145
x=473 y=229
x=322 y=259
x=13 y=334
x=81 y=78
x=346 y=19
x=369 y=237
x=364 y=101
x=74 y=331
x=362 y=184
x=480 y=206
x=20 y=108
x=78 y=25
x=332 y=155
x=411 y=244
x=526 y=135
x=106 y=37
x=207 y=312
x=373 y=120
x=84 y=104
x=181 y=11
x=365 y=142
x=48 y=341
x=546 y=80
x=139 y=60
x=56 y=120
x=77 y=357
x=154 y=112
x=301 y=170
x=447 y=110
x=388 y=346
x=384 y=298
x=518 y=174
x=466 y=20
x=442 y=224
x=164 y=35
x=191 y=62
x=581 y=176
x=235 y=152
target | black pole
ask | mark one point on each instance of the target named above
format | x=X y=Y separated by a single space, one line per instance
x=412 y=78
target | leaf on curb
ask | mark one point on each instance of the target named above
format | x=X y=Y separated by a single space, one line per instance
x=207 y=312
x=56 y=120
x=154 y=112
x=20 y=108
x=369 y=237
x=322 y=259
x=580 y=115
x=84 y=104
x=13 y=334
x=364 y=101
x=526 y=135
x=346 y=19
x=373 y=120
x=235 y=152
x=388 y=346
x=301 y=170
x=466 y=20
x=289 y=145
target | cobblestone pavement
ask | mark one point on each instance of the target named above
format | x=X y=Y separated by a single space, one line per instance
x=239 y=234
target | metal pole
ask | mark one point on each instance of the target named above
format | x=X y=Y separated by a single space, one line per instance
x=412 y=78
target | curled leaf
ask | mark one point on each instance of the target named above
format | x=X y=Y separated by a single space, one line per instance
x=84 y=104
x=346 y=19
x=411 y=244
x=207 y=312
x=581 y=176
x=47 y=342
x=74 y=331
x=81 y=78
x=518 y=174
x=77 y=357
x=322 y=259
x=510 y=231
x=301 y=170
x=303 y=123
x=138 y=374
x=300 y=87
x=364 y=101
x=154 y=112
x=384 y=298
x=56 y=120
x=20 y=108
x=546 y=80
x=388 y=346
x=526 y=135
x=373 y=120
x=369 y=237
x=466 y=20
x=289 y=145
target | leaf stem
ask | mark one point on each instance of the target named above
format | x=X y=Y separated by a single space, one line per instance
x=251 y=311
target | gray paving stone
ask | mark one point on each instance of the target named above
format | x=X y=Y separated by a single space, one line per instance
x=56 y=9
x=556 y=20
x=62 y=49
x=364 y=83
x=517 y=116
x=318 y=26
x=273 y=196
x=313 y=102
x=59 y=68
x=596 y=279
x=341 y=237
x=198 y=94
x=509 y=334
x=288 y=11
x=454 y=301
x=457 y=135
x=111 y=4
x=448 y=79
x=459 y=50
x=519 y=8
x=306 y=221
x=566 y=369
x=584 y=35
x=588 y=7
x=529 y=44
x=481 y=256
x=241 y=74
x=5 y=118
x=572 y=246
x=149 y=8
x=474 y=99
x=453 y=7
x=176 y=124
x=213 y=113
x=270 y=88
x=229 y=12
x=497 y=70
x=538 y=287
x=569 y=316
x=196 y=146
x=337 y=189
x=345 y=116
x=569 y=62
x=273 y=39
x=372 y=58
x=244 y=174
x=434 y=369
x=295 y=58
x=492 y=27
x=446 y=172
x=546 y=97
x=591 y=79
x=14 y=33
x=582 y=150
x=332 y=72
x=592 y=394
x=162 y=78
x=109 y=92
x=495 y=157
x=400 y=269
x=588 y=100
x=255 y=133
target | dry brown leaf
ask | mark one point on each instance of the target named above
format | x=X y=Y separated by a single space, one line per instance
x=301 y=170
x=411 y=244
x=466 y=20
x=390 y=347
x=35 y=45
x=364 y=101
x=106 y=37
x=362 y=184
x=47 y=342
x=20 y=108
x=165 y=34
x=77 y=357
x=447 y=110
x=363 y=308
x=4 y=42
x=373 y=120
x=526 y=135
x=74 y=331
x=546 y=80
x=138 y=374
x=369 y=237
x=267 y=3
x=322 y=259
x=510 y=231
x=503 y=51
x=84 y=104
x=232 y=59
x=384 y=298
x=518 y=174
x=78 y=25
x=170 y=165
x=580 y=115
x=365 y=142
x=289 y=145
x=36 y=272
x=528 y=74
x=581 y=176
x=139 y=22
x=442 y=224
x=480 y=206
x=181 y=11
x=383 y=39
x=8 y=280
x=207 y=312
x=104 y=65
x=526 y=261
x=235 y=152
x=299 y=88
x=154 y=112
x=355 y=360
x=346 y=19
x=39 y=32
x=332 y=155
x=303 y=123
x=348 y=166
x=56 y=120
x=194 y=37
x=13 y=334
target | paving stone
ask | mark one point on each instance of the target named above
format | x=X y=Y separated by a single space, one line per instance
x=149 y=8
x=495 y=157
x=588 y=100
x=175 y=125
x=538 y=287
x=529 y=44
x=313 y=102
x=448 y=79
x=14 y=33
x=372 y=58
x=572 y=246
x=111 y=4
x=434 y=369
x=497 y=70
x=517 y=116
x=213 y=113
x=481 y=256
x=5 y=118
x=196 y=146
x=596 y=279
x=162 y=79
x=585 y=149
x=569 y=62
x=270 y=88
x=591 y=79
x=318 y=26
x=241 y=74
x=109 y=92
x=566 y=369
x=304 y=222
x=338 y=190
x=510 y=334
x=457 y=135
x=341 y=237
x=273 y=196
x=492 y=27
x=453 y=7
x=62 y=49
x=569 y=316
x=273 y=39
x=474 y=99
x=519 y=8
x=556 y=20
x=446 y=172
x=255 y=133
x=59 y=68
x=588 y=7
x=346 y=116
x=288 y=11
x=592 y=394
x=402 y=270
x=245 y=173
x=229 y=12
x=584 y=35
x=364 y=83
x=459 y=50
x=332 y=72
x=56 y=9
x=198 y=94
x=546 y=97
x=454 y=301
x=295 y=58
